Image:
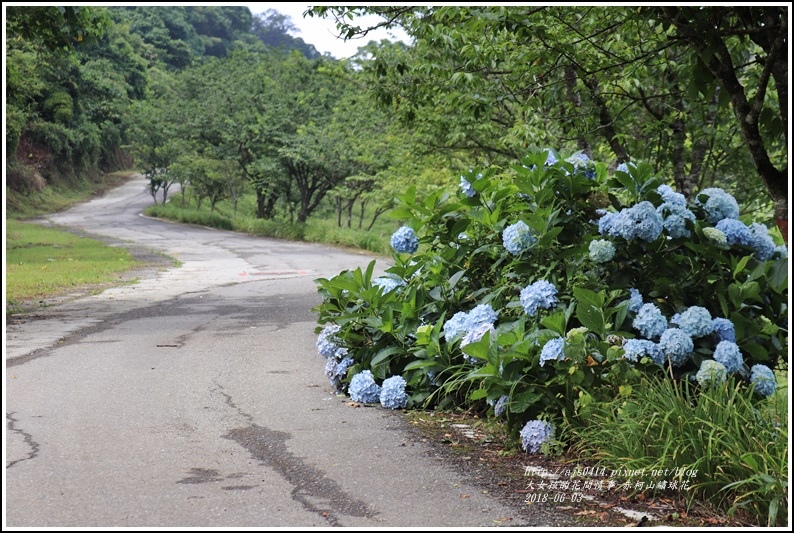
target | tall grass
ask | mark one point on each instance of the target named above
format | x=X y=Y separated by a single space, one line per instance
x=737 y=444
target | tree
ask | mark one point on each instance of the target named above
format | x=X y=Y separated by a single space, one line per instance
x=616 y=83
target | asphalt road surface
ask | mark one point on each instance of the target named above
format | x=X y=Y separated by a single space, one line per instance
x=196 y=398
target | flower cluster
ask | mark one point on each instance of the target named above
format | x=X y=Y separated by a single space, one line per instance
x=727 y=353
x=636 y=349
x=695 y=321
x=640 y=221
x=538 y=295
x=635 y=300
x=462 y=324
x=517 y=238
x=404 y=240
x=601 y=250
x=363 y=388
x=552 y=350
x=676 y=346
x=650 y=321
x=716 y=236
x=466 y=187
x=392 y=393
x=500 y=405
x=388 y=283
x=711 y=373
x=763 y=379
x=723 y=330
x=336 y=370
x=327 y=341
x=582 y=164
x=755 y=236
x=674 y=218
x=534 y=434
x=624 y=167
x=669 y=196
x=717 y=204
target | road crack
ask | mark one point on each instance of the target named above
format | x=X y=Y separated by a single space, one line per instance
x=11 y=423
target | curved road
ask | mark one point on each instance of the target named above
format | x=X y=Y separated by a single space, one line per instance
x=196 y=398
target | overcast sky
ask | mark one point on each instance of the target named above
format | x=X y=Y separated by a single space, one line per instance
x=322 y=32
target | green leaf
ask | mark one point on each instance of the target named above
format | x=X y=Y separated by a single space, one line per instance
x=555 y=322
x=384 y=354
x=591 y=317
x=523 y=400
x=596 y=299
x=740 y=266
x=478 y=394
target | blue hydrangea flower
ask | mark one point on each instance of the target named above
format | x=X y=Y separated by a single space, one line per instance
x=540 y=294
x=363 y=388
x=650 y=321
x=337 y=371
x=723 y=330
x=763 y=244
x=669 y=196
x=456 y=326
x=715 y=235
x=676 y=346
x=466 y=187
x=601 y=250
x=674 y=219
x=552 y=351
x=781 y=251
x=550 y=159
x=327 y=341
x=636 y=349
x=392 y=393
x=718 y=204
x=534 y=434
x=501 y=405
x=635 y=300
x=695 y=321
x=582 y=163
x=624 y=167
x=764 y=380
x=736 y=232
x=728 y=354
x=482 y=314
x=517 y=238
x=388 y=283
x=711 y=373
x=640 y=221
x=476 y=334
x=404 y=240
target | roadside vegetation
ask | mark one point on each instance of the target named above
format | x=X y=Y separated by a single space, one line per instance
x=586 y=209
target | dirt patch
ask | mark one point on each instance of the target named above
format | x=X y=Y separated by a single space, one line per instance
x=530 y=484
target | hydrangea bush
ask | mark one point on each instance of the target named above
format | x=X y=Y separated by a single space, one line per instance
x=533 y=292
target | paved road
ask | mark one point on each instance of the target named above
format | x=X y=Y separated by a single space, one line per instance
x=196 y=398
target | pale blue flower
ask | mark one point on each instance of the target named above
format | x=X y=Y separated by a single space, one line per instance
x=501 y=405
x=736 y=232
x=670 y=196
x=552 y=351
x=517 y=238
x=635 y=300
x=711 y=373
x=676 y=346
x=550 y=159
x=718 y=204
x=337 y=371
x=728 y=354
x=764 y=380
x=388 y=283
x=404 y=240
x=466 y=187
x=540 y=294
x=763 y=244
x=477 y=333
x=781 y=251
x=674 y=219
x=601 y=250
x=713 y=234
x=650 y=321
x=456 y=326
x=534 y=434
x=695 y=321
x=363 y=388
x=482 y=314
x=636 y=349
x=640 y=221
x=582 y=163
x=624 y=167
x=723 y=330
x=392 y=393
x=328 y=341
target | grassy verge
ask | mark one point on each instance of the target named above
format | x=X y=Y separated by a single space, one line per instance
x=43 y=262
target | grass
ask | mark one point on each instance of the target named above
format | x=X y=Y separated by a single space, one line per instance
x=43 y=262
x=736 y=444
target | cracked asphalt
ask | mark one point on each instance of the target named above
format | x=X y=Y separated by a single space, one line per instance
x=196 y=398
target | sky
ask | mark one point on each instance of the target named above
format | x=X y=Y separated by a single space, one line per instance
x=322 y=32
